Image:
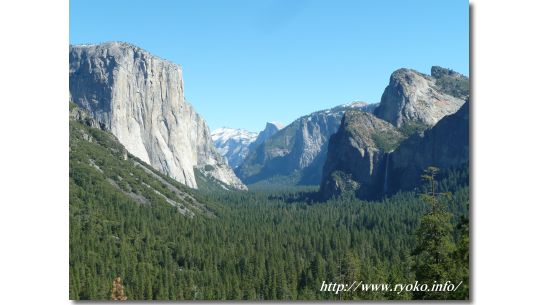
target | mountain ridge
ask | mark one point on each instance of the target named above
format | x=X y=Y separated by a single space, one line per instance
x=298 y=151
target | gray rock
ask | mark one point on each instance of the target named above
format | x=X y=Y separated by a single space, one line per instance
x=270 y=129
x=445 y=146
x=358 y=162
x=356 y=155
x=296 y=153
x=139 y=98
x=413 y=97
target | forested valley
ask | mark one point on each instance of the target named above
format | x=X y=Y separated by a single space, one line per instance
x=248 y=245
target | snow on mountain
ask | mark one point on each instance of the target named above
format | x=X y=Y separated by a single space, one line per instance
x=233 y=144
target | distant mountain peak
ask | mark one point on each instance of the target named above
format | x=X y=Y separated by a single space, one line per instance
x=235 y=144
x=225 y=133
x=270 y=129
x=274 y=123
x=355 y=104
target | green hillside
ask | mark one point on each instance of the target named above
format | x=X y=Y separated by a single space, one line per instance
x=166 y=241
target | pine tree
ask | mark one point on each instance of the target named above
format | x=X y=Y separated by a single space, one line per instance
x=351 y=271
x=435 y=243
x=264 y=245
x=462 y=258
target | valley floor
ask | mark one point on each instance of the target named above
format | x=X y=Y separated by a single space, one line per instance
x=261 y=245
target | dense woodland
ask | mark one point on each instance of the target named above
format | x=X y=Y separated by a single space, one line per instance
x=273 y=244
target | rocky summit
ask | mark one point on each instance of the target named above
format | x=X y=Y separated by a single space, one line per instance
x=139 y=98
x=412 y=97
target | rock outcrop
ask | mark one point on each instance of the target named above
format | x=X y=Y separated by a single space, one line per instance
x=445 y=146
x=357 y=155
x=413 y=97
x=295 y=154
x=139 y=98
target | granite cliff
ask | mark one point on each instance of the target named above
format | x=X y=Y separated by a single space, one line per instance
x=139 y=98
x=445 y=146
x=415 y=98
x=428 y=127
x=374 y=159
x=356 y=154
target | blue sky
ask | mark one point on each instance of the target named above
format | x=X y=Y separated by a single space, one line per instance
x=248 y=62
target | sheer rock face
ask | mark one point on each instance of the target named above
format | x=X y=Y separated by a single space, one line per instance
x=446 y=145
x=298 y=151
x=356 y=162
x=139 y=98
x=415 y=97
x=357 y=155
x=370 y=157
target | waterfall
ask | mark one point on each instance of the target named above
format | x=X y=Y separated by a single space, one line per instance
x=386 y=181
